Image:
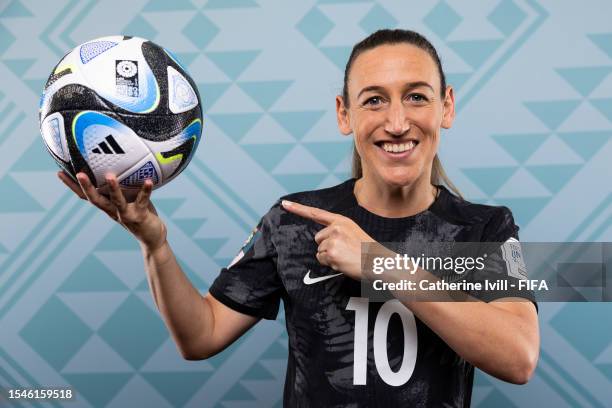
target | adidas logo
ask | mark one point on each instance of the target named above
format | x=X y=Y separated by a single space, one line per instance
x=111 y=148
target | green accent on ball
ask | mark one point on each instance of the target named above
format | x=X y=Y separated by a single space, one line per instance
x=74 y=125
x=166 y=160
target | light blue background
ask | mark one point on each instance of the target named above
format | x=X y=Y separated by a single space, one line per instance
x=534 y=93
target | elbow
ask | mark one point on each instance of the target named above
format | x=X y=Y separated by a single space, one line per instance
x=521 y=377
x=524 y=369
x=193 y=357
x=196 y=355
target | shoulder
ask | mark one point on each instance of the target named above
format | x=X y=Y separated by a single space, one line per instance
x=496 y=221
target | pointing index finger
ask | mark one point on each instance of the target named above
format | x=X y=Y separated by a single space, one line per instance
x=316 y=214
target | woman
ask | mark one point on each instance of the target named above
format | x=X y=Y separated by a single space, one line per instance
x=345 y=350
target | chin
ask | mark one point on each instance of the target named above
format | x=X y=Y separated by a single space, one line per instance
x=399 y=178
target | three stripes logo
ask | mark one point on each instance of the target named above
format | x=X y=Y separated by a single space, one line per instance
x=111 y=148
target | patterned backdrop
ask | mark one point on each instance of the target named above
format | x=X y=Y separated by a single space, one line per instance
x=533 y=132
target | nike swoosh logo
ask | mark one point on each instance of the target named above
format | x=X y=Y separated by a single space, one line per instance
x=309 y=281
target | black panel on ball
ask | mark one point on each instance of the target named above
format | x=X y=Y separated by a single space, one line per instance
x=157 y=60
x=55 y=77
x=74 y=97
x=158 y=128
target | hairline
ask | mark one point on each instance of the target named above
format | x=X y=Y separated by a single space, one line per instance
x=428 y=48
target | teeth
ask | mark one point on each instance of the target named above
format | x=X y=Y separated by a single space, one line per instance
x=398 y=148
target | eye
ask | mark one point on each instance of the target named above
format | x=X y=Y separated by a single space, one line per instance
x=417 y=97
x=373 y=101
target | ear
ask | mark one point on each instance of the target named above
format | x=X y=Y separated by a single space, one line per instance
x=342 y=115
x=448 y=114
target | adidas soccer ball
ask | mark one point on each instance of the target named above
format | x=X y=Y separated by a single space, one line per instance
x=122 y=105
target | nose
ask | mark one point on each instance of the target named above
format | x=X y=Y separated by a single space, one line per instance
x=397 y=123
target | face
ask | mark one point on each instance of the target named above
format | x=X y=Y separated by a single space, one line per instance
x=395 y=113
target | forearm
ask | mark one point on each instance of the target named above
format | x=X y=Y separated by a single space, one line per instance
x=184 y=311
x=491 y=336
x=492 y=339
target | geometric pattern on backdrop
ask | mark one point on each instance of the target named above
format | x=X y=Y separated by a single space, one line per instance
x=533 y=132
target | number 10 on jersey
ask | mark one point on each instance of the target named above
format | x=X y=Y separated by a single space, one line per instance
x=360 y=354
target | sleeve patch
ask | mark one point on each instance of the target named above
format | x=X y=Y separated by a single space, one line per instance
x=250 y=241
x=513 y=255
x=236 y=259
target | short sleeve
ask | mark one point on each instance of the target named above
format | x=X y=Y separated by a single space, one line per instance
x=503 y=259
x=250 y=284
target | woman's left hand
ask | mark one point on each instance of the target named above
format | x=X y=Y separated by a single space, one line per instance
x=339 y=242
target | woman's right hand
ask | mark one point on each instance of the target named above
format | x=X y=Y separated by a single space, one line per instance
x=138 y=217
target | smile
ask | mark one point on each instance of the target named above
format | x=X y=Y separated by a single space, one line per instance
x=397 y=150
x=397 y=147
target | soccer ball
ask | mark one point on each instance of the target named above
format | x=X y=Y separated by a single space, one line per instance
x=122 y=105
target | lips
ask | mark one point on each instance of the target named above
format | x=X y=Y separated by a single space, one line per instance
x=396 y=148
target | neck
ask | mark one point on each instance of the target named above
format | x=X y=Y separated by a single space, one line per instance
x=395 y=201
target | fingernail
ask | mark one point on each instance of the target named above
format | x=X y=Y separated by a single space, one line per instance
x=286 y=203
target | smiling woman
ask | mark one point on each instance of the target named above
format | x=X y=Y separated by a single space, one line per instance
x=422 y=84
x=345 y=349
x=394 y=103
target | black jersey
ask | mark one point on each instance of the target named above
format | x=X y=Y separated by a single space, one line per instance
x=344 y=350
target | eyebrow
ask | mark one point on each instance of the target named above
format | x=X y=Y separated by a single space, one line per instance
x=409 y=85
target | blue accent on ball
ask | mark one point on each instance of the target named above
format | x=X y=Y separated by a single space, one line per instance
x=194 y=129
x=171 y=55
x=91 y=50
x=88 y=118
